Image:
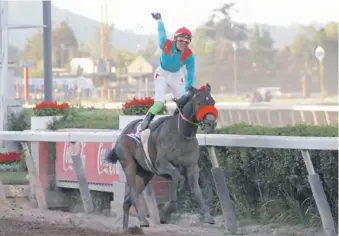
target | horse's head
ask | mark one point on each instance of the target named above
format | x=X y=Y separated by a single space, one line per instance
x=203 y=107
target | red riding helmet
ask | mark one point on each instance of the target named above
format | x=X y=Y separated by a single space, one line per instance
x=183 y=32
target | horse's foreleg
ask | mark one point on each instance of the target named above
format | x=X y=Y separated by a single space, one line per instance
x=193 y=181
x=166 y=168
x=172 y=198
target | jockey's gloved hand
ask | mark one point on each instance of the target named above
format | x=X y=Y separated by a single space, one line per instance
x=183 y=99
x=156 y=15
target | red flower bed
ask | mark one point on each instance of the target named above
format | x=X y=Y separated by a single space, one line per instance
x=51 y=108
x=9 y=157
x=139 y=106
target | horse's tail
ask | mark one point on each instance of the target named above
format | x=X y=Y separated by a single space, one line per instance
x=112 y=157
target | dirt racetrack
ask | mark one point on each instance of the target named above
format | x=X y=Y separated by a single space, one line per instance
x=17 y=220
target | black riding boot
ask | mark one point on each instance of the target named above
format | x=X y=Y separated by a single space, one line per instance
x=145 y=123
x=182 y=100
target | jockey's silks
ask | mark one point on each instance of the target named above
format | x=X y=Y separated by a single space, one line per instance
x=173 y=60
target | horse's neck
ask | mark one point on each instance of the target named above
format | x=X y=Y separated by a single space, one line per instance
x=188 y=128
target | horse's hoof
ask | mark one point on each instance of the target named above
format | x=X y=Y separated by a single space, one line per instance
x=134 y=231
x=163 y=219
x=144 y=223
x=163 y=222
x=208 y=219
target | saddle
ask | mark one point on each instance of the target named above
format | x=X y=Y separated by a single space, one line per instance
x=144 y=139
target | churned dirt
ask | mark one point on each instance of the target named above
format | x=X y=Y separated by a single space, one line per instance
x=23 y=220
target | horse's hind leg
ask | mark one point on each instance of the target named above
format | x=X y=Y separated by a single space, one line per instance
x=126 y=206
x=193 y=181
x=142 y=178
x=131 y=196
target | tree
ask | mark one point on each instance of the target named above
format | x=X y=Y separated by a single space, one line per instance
x=150 y=49
x=303 y=42
x=327 y=37
x=64 y=44
x=33 y=50
x=123 y=59
x=261 y=45
x=221 y=24
x=303 y=50
x=203 y=46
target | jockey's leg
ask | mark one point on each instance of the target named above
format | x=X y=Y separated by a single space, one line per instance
x=181 y=102
x=160 y=84
x=153 y=111
x=178 y=87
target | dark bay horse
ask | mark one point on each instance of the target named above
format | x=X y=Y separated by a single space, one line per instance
x=173 y=151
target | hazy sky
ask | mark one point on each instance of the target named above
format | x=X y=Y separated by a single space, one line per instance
x=176 y=13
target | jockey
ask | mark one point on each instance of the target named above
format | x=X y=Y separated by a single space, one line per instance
x=175 y=54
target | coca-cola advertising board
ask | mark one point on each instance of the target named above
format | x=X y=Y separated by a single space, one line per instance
x=92 y=156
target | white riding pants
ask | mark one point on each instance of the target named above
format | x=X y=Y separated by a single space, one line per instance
x=163 y=79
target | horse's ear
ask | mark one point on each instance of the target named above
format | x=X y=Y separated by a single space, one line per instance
x=208 y=87
x=193 y=90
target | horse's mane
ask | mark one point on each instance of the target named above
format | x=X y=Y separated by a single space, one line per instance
x=154 y=125
x=176 y=111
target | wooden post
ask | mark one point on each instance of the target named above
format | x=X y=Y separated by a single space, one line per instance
x=223 y=192
x=81 y=177
x=319 y=196
x=3 y=199
x=26 y=84
x=17 y=89
x=34 y=179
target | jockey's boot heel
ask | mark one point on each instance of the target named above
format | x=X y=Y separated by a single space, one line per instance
x=145 y=123
x=181 y=102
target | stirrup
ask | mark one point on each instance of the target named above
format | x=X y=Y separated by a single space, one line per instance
x=138 y=131
x=136 y=135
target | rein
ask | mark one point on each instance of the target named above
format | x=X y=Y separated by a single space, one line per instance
x=181 y=116
x=200 y=113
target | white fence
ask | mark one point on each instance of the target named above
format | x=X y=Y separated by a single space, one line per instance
x=210 y=140
x=258 y=141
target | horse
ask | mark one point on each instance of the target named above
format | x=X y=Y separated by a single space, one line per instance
x=173 y=150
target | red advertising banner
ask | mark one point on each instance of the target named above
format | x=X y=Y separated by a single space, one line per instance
x=96 y=169
x=92 y=156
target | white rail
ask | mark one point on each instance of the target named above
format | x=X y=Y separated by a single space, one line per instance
x=258 y=141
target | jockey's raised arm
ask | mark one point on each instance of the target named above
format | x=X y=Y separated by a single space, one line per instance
x=190 y=67
x=161 y=33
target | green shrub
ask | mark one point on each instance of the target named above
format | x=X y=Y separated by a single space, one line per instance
x=13 y=166
x=270 y=185
x=18 y=122
x=88 y=118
